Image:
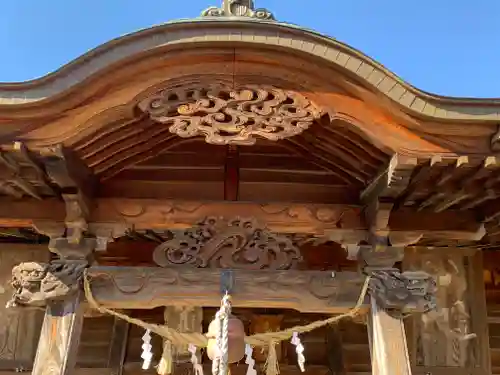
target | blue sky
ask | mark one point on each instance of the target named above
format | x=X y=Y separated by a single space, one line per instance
x=447 y=47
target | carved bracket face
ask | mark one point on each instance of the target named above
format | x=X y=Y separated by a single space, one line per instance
x=225 y=115
x=236 y=243
x=36 y=284
x=402 y=293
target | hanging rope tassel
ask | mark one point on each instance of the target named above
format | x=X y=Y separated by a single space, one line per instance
x=272 y=365
x=166 y=363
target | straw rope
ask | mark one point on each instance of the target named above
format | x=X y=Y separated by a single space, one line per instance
x=198 y=339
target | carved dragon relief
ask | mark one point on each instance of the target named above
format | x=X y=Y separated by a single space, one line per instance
x=235 y=243
x=226 y=115
x=401 y=293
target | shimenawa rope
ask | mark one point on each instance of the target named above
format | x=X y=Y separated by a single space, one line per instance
x=220 y=363
x=268 y=339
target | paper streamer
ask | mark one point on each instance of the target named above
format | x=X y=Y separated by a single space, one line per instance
x=147 y=354
x=299 y=349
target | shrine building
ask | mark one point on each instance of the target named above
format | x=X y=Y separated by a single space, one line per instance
x=327 y=217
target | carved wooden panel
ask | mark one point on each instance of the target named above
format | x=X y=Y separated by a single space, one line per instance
x=444 y=337
x=227 y=115
x=234 y=243
x=144 y=288
x=19 y=328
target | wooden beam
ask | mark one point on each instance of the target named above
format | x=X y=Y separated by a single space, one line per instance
x=145 y=288
x=323 y=220
x=58 y=345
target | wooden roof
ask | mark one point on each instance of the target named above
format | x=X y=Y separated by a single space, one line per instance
x=122 y=116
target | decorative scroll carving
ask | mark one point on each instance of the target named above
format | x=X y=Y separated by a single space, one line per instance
x=238 y=8
x=401 y=293
x=145 y=288
x=235 y=243
x=35 y=284
x=225 y=115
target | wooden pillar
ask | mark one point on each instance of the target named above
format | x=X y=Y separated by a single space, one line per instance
x=389 y=350
x=60 y=336
x=392 y=294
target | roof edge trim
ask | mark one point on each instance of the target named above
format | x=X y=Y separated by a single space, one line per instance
x=251 y=31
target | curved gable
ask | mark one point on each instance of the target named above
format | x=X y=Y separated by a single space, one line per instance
x=103 y=88
x=249 y=32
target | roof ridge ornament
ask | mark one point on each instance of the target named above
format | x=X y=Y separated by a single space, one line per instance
x=238 y=8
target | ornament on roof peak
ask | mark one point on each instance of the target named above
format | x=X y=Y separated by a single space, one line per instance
x=238 y=8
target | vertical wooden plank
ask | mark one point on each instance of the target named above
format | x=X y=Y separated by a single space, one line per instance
x=118 y=346
x=335 y=356
x=388 y=343
x=59 y=338
x=479 y=316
